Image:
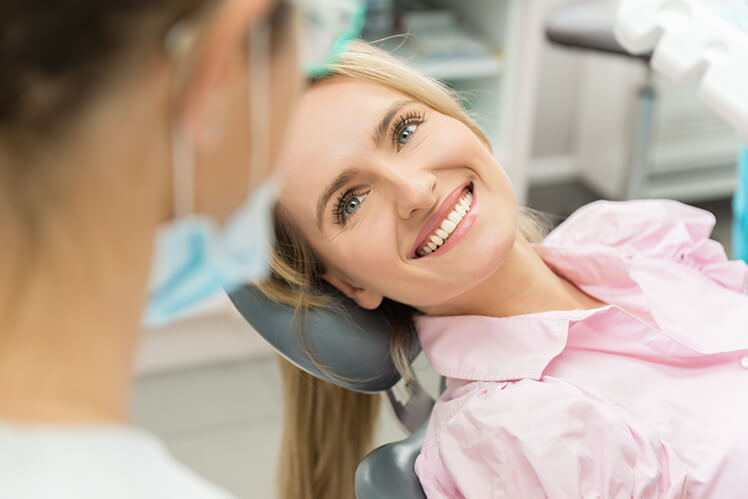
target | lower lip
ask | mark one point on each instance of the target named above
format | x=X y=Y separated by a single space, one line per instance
x=465 y=224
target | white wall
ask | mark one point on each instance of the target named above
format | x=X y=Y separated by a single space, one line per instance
x=558 y=97
x=553 y=153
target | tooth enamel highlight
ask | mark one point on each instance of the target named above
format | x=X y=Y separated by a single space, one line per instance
x=448 y=225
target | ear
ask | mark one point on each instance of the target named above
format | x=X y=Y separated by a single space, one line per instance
x=219 y=53
x=365 y=298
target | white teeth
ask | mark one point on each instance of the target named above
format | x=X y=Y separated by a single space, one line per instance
x=448 y=226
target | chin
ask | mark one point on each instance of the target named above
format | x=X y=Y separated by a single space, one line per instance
x=488 y=254
x=472 y=265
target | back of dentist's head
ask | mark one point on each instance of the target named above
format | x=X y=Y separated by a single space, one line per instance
x=328 y=429
x=134 y=114
x=56 y=56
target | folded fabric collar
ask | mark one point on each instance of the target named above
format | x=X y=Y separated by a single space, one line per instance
x=509 y=348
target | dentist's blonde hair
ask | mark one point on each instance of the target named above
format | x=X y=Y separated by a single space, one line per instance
x=328 y=429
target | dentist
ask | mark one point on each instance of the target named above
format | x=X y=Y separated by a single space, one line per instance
x=136 y=138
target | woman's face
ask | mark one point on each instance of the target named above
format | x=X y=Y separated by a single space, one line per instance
x=372 y=177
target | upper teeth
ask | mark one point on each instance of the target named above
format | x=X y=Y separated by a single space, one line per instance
x=448 y=225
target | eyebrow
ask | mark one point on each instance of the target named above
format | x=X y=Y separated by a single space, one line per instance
x=341 y=180
x=381 y=130
x=347 y=175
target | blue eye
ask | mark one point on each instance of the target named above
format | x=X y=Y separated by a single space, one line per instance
x=352 y=205
x=405 y=127
x=406 y=134
x=348 y=204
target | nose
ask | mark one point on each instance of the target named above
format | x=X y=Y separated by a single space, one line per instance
x=414 y=191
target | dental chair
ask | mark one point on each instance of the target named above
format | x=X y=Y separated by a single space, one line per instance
x=353 y=345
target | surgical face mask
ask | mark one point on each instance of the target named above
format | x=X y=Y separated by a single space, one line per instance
x=195 y=258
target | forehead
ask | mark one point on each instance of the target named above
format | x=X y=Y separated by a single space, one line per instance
x=342 y=107
x=331 y=130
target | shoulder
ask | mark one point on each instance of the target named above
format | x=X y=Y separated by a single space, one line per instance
x=94 y=463
x=652 y=225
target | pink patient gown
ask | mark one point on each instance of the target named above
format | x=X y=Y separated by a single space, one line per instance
x=644 y=398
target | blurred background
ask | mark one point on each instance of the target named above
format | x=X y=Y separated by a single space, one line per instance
x=570 y=125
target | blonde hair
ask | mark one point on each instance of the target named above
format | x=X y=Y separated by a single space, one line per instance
x=327 y=429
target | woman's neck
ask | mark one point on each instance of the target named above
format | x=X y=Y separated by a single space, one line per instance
x=69 y=327
x=524 y=284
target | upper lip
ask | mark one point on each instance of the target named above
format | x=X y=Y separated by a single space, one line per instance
x=435 y=220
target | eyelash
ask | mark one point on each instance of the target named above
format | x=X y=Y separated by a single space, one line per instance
x=403 y=122
x=339 y=207
x=398 y=126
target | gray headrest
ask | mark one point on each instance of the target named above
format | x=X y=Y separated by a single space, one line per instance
x=351 y=342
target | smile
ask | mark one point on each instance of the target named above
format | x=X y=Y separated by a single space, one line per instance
x=445 y=222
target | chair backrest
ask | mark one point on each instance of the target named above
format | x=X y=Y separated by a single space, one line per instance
x=388 y=472
x=353 y=345
x=350 y=343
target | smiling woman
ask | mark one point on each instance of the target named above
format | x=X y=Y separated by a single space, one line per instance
x=360 y=163
x=607 y=360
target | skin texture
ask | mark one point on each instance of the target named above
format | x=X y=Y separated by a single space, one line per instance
x=400 y=182
x=72 y=292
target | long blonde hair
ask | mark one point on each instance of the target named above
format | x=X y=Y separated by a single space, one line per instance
x=327 y=429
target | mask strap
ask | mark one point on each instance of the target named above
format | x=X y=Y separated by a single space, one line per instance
x=183 y=158
x=177 y=43
x=183 y=172
x=259 y=102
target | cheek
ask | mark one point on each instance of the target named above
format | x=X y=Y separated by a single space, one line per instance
x=369 y=252
x=495 y=230
x=495 y=239
x=451 y=143
x=467 y=266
